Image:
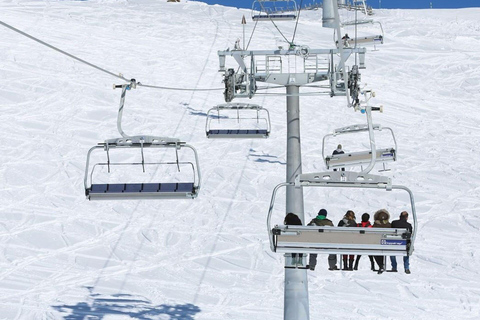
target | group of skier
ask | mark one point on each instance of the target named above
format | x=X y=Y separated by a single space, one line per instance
x=381 y=220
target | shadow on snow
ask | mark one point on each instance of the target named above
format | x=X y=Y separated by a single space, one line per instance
x=135 y=307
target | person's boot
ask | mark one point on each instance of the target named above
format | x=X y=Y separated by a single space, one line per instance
x=350 y=264
x=345 y=263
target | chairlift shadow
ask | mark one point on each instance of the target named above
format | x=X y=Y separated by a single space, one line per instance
x=135 y=307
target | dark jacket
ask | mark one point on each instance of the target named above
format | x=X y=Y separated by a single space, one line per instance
x=321 y=222
x=292 y=219
x=381 y=218
x=347 y=223
x=338 y=151
x=402 y=224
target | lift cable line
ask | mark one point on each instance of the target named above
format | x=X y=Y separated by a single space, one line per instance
x=120 y=76
x=271 y=19
x=296 y=23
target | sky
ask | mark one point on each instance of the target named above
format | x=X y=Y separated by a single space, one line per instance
x=387 y=4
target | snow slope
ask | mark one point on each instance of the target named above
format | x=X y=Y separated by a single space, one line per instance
x=62 y=256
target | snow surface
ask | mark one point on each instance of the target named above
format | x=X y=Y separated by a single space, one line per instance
x=62 y=256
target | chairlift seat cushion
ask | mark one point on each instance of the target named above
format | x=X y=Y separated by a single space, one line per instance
x=238 y=133
x=99 y=188
x=141 y=191
x=115 y=188
x=274 y=17
x=168 y=187
x=151 y=187
x=185 y=187
x=134 y=187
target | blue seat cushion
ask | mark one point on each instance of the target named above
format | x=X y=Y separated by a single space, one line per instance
x=168 y=187
x=116 y=187
x=151 y=187
x=134 y=187
x=185 y=187
x=98 y=188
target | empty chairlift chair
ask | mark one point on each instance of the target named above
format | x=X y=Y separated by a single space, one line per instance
x=359 y=157
x=237 y=120
x=136 y=188
x=274 y=10
x=341 y=240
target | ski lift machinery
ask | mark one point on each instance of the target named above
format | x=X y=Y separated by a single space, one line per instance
x=222 y=126
x=140 y=190
x=274 y=10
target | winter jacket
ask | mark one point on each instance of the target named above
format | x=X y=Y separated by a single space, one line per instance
x=402 y=224
x=381 y=218
x=292 y=219
x=338 y=151
x=364 y=224
x=347 y=223
x=321 y=222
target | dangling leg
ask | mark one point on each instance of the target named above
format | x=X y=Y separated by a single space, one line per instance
x=312 y=261
x=372 y=263
x=332 y=262
x=350 y=262
x=345 y=262
x=393 y=261
x=379 y=260
x=356 y=263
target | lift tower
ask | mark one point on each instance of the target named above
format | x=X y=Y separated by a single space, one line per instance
x=294 y=67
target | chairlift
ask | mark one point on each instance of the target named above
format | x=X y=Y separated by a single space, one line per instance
x=117 y=190
x=350 y=42
x=237 y=120
x=341 y=240
x=274 y=10
x=142 y=188
x=363 y=157
x=359 y=157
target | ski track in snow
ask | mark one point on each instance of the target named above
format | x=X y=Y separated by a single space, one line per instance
x=63 y=257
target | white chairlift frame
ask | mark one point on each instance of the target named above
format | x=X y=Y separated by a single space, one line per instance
x=134 y=191
x=362 y=157
x=341 y=240
x=237 y=133
x=142 y=190
x=281 y=15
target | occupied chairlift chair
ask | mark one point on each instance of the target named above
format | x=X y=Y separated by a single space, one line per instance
x=349 y=41
x=127 y=190
x=274 y=10
x=363 y=157
x=221 y=126
x=341 y=240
